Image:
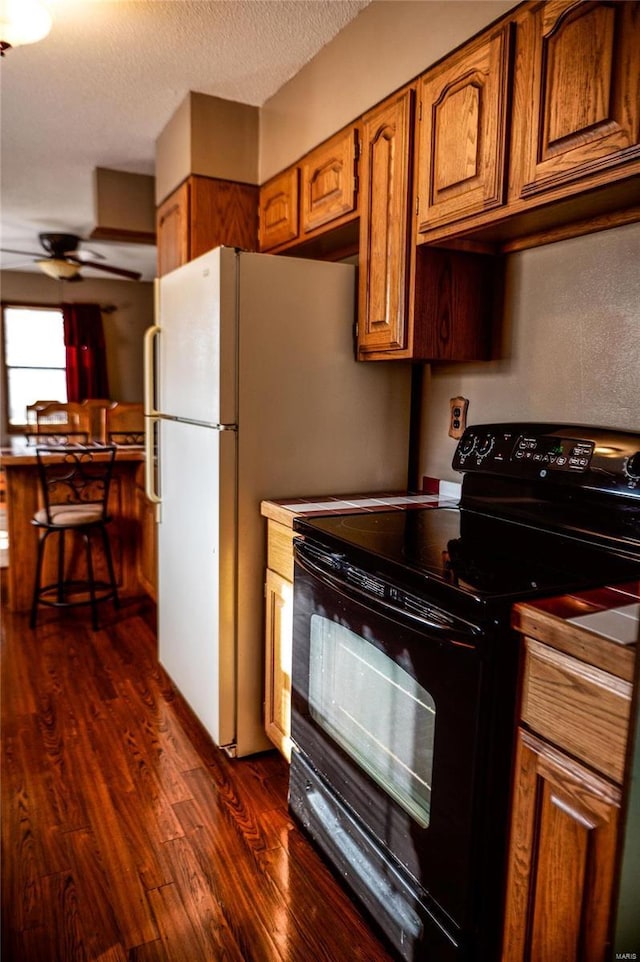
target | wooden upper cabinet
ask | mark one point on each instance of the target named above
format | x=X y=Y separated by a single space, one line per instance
x=279 y=210
x=203 y=213
x=577 y=104
x=172 y=230
x=462 y=130
x=329 y=187
x=385 y=226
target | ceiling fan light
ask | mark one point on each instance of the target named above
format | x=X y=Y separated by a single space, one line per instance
x=22 y=22
x=57 y=268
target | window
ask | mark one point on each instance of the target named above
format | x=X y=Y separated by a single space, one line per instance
x=35 y=358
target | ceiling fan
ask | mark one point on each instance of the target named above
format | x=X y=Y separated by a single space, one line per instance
x=64 y=259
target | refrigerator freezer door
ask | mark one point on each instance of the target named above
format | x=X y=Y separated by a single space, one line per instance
x=196 y=570
x=197 y=341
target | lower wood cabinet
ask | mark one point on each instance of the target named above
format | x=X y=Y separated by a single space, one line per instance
x=562 y=858
x=147 y=555
x=278 y=635
x=567 y=794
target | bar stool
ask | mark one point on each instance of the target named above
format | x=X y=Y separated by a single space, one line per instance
x=74 y=482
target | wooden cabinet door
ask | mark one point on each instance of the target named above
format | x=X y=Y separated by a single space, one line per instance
x=172 y=230
x=222 y=212
x=147 y=546
x=561 y=858
x=385 y=226
x=329 y=186
x=462 y=133
x=577 y=107
x=279 y=631
x=279 y=209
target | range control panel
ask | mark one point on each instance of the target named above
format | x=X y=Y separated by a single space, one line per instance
x=594 y=457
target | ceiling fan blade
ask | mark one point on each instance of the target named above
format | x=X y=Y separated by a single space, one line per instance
x=7 y=250
x=84 y=256
x=120 y=271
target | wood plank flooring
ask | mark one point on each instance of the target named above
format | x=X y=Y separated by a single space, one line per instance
x=127 y=836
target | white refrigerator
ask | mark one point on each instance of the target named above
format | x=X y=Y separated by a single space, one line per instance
x=252 y=392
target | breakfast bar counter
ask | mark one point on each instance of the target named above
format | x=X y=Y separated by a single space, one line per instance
x=134 y=561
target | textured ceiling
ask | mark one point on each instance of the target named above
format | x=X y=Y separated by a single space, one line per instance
x=100 y=88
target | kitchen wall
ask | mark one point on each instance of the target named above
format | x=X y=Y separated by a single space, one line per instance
x=389 y=43
x=569 y=346
x=569 y=338
x=123 y=327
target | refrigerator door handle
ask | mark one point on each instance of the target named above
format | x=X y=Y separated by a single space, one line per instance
x=150 y=336
x=151 y=468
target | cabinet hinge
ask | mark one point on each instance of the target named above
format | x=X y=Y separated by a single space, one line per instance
x=417 y=205
x=420 y=111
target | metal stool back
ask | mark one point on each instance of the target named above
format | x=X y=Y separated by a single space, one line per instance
x=75 y=481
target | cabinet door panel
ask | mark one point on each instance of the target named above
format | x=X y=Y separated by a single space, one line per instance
x=579 y=70
x=279 y=210
x=462 y=139
x=561 y=858
x=384 y=226
x=223 y=213
x=329 y=186
x=172 y=230
x=279 y=632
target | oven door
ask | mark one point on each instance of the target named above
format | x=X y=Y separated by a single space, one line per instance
x=387 y=723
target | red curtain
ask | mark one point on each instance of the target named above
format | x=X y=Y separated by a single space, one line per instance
x=86 y=355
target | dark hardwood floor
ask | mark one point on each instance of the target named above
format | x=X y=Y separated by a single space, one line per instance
x=127 y=836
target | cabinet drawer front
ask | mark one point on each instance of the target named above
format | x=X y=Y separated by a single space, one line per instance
x=280 y=549
x=579 y=708
x=329 y=181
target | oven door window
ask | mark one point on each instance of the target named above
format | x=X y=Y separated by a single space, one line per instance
x=376 y=711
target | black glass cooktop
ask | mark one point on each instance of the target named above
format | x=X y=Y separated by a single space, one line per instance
x=477 y=555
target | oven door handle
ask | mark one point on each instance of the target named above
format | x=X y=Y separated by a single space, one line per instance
x=445 y=627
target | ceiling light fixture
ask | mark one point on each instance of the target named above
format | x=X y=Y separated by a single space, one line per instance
x=58 y=268
x=22 y=22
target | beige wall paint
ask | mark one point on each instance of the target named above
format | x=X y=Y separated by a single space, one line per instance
x=123 y=202
x=173 y=151
x=207 y=136
x=571 y=346
x=389 y=43
x=123 y=328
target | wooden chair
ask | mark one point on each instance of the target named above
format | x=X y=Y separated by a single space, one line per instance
x=32 y=410
x=125 y=423
x=97 y=408
x=66 y=438
x=61 y=419
x=74 y=481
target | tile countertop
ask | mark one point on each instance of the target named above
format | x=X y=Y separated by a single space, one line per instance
x=600 y=627
x=287 y=509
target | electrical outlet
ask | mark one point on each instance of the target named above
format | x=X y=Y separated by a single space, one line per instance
x=457 y=416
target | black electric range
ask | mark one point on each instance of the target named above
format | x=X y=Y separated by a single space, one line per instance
x=405 y=668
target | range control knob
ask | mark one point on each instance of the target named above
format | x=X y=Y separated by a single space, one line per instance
x=632 y=466
x=486 y=446
x=467 y=444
